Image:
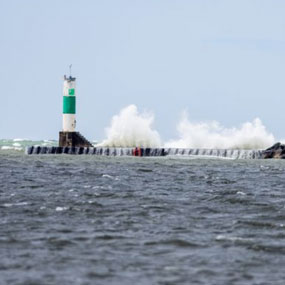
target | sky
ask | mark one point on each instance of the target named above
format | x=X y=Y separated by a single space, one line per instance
x=220 y=60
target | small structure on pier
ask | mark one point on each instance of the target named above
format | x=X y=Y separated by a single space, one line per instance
x=68 y=137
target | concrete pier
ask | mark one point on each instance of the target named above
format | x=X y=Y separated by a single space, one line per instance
x=73 y=139
x=146 y=152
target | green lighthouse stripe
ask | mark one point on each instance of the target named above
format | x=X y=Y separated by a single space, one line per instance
x=69 y=104
x=71 y=91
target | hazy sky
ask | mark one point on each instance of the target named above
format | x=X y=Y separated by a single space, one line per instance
x=220 y=60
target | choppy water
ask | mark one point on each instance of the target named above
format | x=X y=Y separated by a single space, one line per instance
x=20 y=144
x=128 y=220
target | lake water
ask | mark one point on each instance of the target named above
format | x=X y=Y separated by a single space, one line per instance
x=130 y=220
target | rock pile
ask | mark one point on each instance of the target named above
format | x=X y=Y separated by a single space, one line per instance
x=276 y=151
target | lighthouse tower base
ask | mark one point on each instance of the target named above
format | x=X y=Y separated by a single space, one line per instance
x=73 y=139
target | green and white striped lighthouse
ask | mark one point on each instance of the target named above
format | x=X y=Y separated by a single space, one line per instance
x=68 y=137
x=69 y=104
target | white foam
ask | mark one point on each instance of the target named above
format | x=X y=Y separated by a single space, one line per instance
x=8 y=205
x=232 y=238
x=60 y=209
x=212 y=135
x=6 y=147
x=130 y=129
x=17 y=144
x=18 y=148
x=107 y=176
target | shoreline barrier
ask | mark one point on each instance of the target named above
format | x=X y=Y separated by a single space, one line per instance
x=145 y=152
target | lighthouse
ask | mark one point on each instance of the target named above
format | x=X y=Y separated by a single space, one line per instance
x=68 y=137
x=69 y=104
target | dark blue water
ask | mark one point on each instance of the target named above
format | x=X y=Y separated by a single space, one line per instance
x=106 y=220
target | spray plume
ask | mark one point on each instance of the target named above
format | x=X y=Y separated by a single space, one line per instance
x=211 y=135
x=131 y=129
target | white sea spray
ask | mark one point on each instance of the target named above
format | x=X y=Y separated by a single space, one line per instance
x=211 y=135
x=130 y=128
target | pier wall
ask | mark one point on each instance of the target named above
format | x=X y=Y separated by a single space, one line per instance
x=146 y=152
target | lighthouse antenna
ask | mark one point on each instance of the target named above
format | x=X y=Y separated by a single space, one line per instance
x=70 y=69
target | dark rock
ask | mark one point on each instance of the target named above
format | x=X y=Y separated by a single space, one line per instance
x=276 y=151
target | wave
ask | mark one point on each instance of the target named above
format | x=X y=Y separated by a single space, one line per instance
x=19 y=140
x=21 y=144
x=130 y=129
x=212 y=135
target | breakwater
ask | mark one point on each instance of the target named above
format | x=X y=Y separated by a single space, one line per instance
x=145 y=152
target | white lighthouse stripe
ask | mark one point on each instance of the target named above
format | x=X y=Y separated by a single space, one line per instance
x=68 y=122
x=68 y=85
